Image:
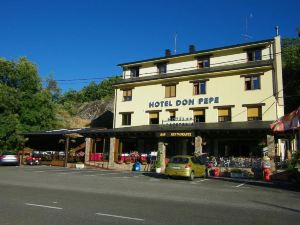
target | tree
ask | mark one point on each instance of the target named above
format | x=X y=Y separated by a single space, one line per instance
x=24 y=105
x=291 y=73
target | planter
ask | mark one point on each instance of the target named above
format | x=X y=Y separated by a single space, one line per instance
x=158 y=170
x=79 y=166
x=236 y=175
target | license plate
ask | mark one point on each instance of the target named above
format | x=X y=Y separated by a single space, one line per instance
x=176 y=167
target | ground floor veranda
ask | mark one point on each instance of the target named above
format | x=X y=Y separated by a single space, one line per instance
x=230 y=144
x=120 y=148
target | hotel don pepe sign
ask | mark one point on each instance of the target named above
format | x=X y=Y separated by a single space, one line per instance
x=184 y=102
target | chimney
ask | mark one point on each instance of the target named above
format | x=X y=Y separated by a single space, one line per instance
x=168 y=52
x=192 y=48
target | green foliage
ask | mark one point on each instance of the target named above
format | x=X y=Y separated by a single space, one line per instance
x=291 y=73
x=158 y=160
x=24 y=105
x=70 y=100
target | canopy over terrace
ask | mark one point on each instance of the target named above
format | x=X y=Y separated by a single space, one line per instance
x=237 y=135
x=207 y=128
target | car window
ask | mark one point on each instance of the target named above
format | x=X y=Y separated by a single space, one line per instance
x=8 y=153
x=179 y=160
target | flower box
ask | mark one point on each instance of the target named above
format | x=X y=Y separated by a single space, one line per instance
x=79 y=166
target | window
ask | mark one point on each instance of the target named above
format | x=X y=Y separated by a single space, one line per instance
x=203 y=62
x=170 y=91
x=199 y=88
x=127 y=95
x=153 y=117
x=254 y=55
x=199 y=116
x=252 y=83
x=126 y=119
x=254 y=113
x=172 y=115
x=134 y=72
x=162 y=68
x=224 y=114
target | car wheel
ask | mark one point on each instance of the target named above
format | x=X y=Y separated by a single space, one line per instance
x=192 y=176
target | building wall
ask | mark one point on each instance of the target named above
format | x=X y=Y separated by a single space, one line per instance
x=228 y=87
x=186 y=63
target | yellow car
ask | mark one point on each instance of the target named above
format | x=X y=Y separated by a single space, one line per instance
x=185 y=166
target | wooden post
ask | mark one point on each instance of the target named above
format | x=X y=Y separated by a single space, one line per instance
x=67 y=143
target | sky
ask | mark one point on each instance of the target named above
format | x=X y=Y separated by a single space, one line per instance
x=86 y=39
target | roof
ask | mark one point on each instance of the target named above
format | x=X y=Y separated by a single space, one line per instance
x=200 y=127
x=254 y=64
x=247 y=125
x=198 y=52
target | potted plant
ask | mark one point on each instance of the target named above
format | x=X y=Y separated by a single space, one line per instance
x=79 y=165
x=236 y=173
x=158 y=162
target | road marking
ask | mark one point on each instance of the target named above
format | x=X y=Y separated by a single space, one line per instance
x=202 y=180
x=39 y=171
x=122 y=217
x=89 y=175
x=43 y=206
x=240 y=185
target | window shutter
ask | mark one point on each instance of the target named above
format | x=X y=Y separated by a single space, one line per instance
x=223 y=112
x=253 y=112
x=167 y=91
x=153 y=115
x=173 y=91
x=199 y=112
x=172 y=113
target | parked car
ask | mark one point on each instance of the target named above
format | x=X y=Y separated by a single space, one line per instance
x=185 y=166
x=9 y=158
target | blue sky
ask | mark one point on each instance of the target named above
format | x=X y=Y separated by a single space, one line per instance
x=88 y=38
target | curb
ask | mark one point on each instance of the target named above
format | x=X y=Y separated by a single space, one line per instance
x=275 y=184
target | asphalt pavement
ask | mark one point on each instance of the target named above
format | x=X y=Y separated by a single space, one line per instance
x=52 y=195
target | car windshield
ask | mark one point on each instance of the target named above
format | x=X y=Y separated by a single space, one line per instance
x=179 y=160
x=8 y=153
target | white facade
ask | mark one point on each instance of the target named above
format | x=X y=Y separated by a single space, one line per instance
x=225 y=85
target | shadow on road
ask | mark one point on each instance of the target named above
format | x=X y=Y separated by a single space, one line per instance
x=277 y=206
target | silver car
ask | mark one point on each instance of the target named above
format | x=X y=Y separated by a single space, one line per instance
x=9 y=158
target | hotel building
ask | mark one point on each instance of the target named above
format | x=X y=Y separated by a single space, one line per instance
x=220 y=101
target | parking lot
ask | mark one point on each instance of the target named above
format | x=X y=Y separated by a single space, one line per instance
x=95 y=196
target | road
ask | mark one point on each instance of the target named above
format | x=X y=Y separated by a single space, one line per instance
x=41 y=195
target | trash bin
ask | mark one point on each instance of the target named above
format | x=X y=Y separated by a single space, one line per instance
x=216 y=172
x=137 y=166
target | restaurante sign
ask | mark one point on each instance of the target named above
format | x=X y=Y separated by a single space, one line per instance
x=184 y=102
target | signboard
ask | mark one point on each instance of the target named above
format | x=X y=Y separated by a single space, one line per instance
x=184 y=102
x=176 y=134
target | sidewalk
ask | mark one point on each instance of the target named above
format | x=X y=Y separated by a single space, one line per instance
x=273 y=184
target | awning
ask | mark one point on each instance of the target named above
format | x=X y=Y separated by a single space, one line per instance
x=288 y=122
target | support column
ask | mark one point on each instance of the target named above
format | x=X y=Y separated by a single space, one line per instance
x=216 y=147
x=67 y=143
x=198 y=146
x=112 y=149
x=162 y=150
x=271 y=150
x=88 y=146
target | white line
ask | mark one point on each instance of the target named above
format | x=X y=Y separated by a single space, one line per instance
x=89 y=175
x=43 y=206
x=240 y=185
x=122 y=217
x=203 y=180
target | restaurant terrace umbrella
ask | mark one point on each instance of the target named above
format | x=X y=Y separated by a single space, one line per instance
x=287 y=122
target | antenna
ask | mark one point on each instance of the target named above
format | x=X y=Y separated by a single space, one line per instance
x=246 y=35
x=277 y=30
x=175 y=42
